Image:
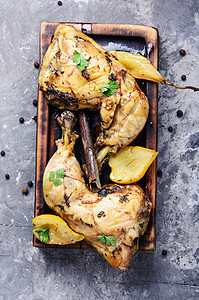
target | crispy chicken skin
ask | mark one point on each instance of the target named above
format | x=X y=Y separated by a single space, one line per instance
x=123 y=115
x=119 y=211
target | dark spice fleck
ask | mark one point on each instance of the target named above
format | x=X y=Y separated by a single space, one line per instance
x=59 y=3
x=7 y=176
x=2 y=153
x=24 y=190
x=123 y=199
x=108 y=59
x=21 y=120
x=86 y=74
x=179 y=113
x=103 y=193
x=36 y=65
x=35 y=118
x=30 y=183
x=102 y=213
x=170 y=129
x=112 y=77
x=90 y=225
x=159 y=173
x=67 y=200
x=35 y=102
x=183 y=77
x=182 y=52
x=61 y=207
x=164 y=252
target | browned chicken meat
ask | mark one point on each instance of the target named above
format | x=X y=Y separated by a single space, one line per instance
x=123 y=113
x=111 y=220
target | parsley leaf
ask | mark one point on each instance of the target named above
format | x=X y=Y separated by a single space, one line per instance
x=57 y=182
x=80 y=60
x=110 y=240
x=43 y=234
x=51 y=176
x=60 y=173
x=110 y=88
x=54 y=177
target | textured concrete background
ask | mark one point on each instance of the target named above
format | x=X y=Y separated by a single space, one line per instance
x=36 y=274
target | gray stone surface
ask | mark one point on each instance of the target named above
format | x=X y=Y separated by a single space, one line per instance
x=36 y=274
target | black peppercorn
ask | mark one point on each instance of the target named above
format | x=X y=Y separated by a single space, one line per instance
x=84 y=30
x=24 y=191
x=36 y=65
x=183 y=77
x=151 y=124
x=182 y=52
x=35 y=118
x=7 y=176
x=164 y=252
x=30 y=183
x=170 y=129
x=59 y=3
x=21 y=120
x=2 y=153
x=35 y=102
x=179 y=113
x=159 y=173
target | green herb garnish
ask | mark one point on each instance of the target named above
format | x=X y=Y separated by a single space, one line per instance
x=110 y=88
x=110 y=240
x=55 y=177
x=43 y=235
x=80 y=60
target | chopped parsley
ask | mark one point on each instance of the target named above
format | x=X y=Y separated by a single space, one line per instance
x=43 y=235
x=109 y=240
x=80 y=60
x=110 y=88
x=55 y=177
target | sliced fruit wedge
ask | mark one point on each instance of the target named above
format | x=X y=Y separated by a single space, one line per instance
x=51 y=229
x=130 y=164
x=141 y=68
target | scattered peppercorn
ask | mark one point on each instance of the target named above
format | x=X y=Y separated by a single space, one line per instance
x=170 y=129
x=35 y=102
x=84 y=30
x=24 y=191
x=159 y=173
x=164 y=252
x=179 y=113
x=21 y=120
x=36 y=65
x=30 y=183
x=182 y=52
x=151 y=124
x=2 y=153
x=183 y=77
x=7 y=176
x=59 y=3
x=35 y=118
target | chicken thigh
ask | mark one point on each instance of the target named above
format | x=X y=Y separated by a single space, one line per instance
x=117 y=212
x=123 y=114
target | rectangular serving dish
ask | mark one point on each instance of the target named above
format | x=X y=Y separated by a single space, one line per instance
x=132 y=38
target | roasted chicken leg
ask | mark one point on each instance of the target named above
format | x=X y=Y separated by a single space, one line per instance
x=119 y=212
x=123 y=114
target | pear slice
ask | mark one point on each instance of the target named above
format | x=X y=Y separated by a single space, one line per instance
x=51 y=229
x=140 y=67
x=130 y=164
